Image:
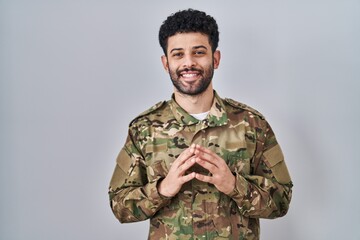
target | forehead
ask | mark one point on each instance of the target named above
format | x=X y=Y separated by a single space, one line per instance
x=188 y=40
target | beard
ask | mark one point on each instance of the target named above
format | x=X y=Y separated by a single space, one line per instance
x=198 y=86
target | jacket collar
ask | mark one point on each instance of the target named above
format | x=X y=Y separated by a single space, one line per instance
x=216 y=117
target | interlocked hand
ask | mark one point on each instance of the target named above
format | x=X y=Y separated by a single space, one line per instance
x=176 y=177
x=222 y=177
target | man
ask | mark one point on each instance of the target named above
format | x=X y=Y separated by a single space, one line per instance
x=198 y=166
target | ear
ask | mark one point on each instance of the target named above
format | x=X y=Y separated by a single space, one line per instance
x=216 y=56
x=165 y=63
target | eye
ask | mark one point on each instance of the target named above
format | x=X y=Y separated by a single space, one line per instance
x=178 y=54
x=199 y=53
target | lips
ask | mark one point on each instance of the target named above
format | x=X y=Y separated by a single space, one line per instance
x=190 y=75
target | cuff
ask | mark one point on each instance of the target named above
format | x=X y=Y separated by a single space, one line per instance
x=154 y=196
x=240 y=189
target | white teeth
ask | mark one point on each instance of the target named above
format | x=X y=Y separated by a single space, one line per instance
x=188 y=75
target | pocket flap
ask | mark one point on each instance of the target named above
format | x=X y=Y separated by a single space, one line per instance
x=274 y=155
x=275 y=158
x=153 y=148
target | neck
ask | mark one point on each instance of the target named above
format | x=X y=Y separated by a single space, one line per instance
x=195 y=104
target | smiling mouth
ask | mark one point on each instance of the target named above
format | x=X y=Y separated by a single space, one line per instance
x=190 y=75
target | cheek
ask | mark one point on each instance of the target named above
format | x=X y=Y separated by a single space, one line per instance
x=207 y=63
x=172 y=69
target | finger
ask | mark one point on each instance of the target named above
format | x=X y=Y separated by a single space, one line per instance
x=185 y=155
x=185 y=166
x=187 y=177
x=204 y=178
x=210 y=156
x=200 y=149
x=207 y=155
x=207 y=165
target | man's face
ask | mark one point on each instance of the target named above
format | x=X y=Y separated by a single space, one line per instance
x=190 y=62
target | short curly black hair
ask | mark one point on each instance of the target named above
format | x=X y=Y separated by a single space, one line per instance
x=186 y=21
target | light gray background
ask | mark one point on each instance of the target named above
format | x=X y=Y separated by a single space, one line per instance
x=74 y=73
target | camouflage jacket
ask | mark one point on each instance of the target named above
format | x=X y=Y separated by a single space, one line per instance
x=237 y=133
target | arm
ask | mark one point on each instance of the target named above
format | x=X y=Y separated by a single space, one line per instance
x=266 y=192
x=132 y=197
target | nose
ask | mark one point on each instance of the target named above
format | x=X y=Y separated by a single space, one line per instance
x=189 y=61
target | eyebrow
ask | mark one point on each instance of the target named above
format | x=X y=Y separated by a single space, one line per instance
x=200 y=46
x=176 y=49
x=195 y=47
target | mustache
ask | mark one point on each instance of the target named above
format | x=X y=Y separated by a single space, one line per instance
x=178 y=72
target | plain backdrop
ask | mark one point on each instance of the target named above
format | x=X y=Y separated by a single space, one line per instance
x=75 y=73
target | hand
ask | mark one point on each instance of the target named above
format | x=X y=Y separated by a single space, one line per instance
x=172 y=183
x=222 y=177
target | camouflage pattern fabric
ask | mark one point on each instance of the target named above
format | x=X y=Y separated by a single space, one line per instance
x=237 y=133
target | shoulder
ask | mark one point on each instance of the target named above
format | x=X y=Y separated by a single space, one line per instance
x=242 y=107
x=154 y=110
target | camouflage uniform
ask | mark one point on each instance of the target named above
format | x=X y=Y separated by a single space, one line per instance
x=239 y=135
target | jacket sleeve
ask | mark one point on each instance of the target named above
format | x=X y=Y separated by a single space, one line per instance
x=266 y=193
x=132 y=196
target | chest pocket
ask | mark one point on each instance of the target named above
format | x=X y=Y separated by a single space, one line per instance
x=157 y=160
x=239 y=151
x=237 y=159
x=155 y=152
